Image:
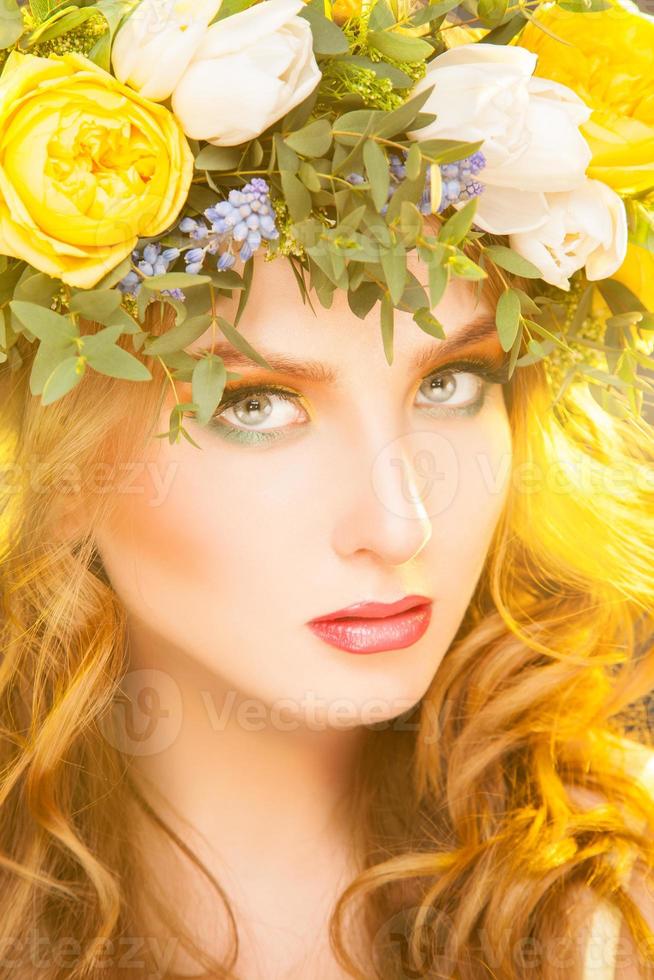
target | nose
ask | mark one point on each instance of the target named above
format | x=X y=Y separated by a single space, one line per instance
x=385 y=514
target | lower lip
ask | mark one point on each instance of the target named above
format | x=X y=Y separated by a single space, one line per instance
x=375 y=635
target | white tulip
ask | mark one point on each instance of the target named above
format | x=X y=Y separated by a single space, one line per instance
x=156 y=43
x=530 y=128
x=585 y=227
x=249 y=71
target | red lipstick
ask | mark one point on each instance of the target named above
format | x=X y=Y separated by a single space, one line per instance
x=370 y=627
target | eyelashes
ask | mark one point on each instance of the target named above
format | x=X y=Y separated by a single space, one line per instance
x=486 y=372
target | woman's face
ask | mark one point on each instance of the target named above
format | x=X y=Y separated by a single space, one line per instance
x=371 y=483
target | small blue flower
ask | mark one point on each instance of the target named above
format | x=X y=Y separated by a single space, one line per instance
x=151 y=262
x=226 y=261
x=247 y=217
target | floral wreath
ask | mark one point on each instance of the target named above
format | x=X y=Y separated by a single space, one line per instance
x=149 y=149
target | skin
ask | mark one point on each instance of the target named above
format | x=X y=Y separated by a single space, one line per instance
x=220 y=572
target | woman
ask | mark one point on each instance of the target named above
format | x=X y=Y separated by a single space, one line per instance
x=315 y=646
x=295 y=759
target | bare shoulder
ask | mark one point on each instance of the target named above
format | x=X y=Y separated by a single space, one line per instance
x=600 y=925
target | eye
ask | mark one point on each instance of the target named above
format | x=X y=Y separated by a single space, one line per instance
x=456 y=389
x=259 y=411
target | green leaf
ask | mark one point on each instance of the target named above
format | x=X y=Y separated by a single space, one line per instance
x=237 y=340
x=381 y=16
x=297 y=197
x=116 y=362
x=504 y=33
x=96 y=304
x=465 y=268
x=507 y=259
x=507 y=318
x=387 y=324
x=208 y=384
x=457 y=227
x=428 y=322
x=37 y=288
x=11 y=23
x=309 y=177
x=218 y=158
x=447 y=151
x=179 y=337
x=44 y=324
x=492 y=12
x=527 y=304
x=377 y=171
x=328 y=38
x=433 y=11
x=411 y=223
x=362 y=300
x=313 y=140
x=399 y=47
x=173 y=280
x=438 y=280
x=46 y=359
x=65 y=376
x=413 y=161
x=618 y=297
x=287 y=159
x=393 y=262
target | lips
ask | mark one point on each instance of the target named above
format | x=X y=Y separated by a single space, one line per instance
x=372 y=627
x=374 y=610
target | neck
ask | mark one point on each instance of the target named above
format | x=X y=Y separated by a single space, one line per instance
x=259 y=785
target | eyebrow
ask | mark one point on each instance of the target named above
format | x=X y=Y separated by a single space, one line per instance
x=479 y=329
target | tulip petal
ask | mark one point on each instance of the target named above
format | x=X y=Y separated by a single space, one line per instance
x=502 y=210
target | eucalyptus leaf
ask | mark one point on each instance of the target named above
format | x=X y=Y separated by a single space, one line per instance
x=399 y=47
x=328 y=38
x=116 y=362
x=218 y=158
x=378 y=172
x=413 y=161
x=428 y=322
x=179 y=337
x=173 y=280
x=44 y=324
x=11 y=23
x=507 y=259
x=95 y=304
x=456 y=228
x=362 y=300
x=208 y=384
x=46 y=359
x=393 y=262
x=237 y=340
x=297 y=197
x=312 y=140
x=66 y=375
x=507 y=318
x=387 y=321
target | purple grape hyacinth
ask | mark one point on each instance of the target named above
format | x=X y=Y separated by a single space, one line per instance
x=458 y=183
x=153 y=262
x=246 y=217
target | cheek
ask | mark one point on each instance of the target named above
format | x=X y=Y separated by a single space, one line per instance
x=193 y=526
x=477 y=483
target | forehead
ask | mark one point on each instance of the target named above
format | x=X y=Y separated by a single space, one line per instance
x=277 y=321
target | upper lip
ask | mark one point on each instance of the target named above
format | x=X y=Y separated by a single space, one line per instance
x=375 y=610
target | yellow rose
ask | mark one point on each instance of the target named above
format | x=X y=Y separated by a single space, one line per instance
x=637 y=273
x=87 y=166
x=610 y=64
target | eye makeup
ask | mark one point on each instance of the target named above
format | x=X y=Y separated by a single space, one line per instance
x=485 y=369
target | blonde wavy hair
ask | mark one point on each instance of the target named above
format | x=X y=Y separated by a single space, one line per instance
x=470 y=842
